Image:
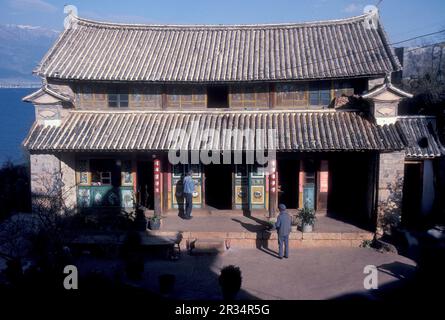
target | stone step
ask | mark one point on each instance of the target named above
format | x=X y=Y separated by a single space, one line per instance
x=214 y=246
x=206 y=212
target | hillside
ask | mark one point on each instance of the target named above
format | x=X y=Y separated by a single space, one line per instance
x=21 y=49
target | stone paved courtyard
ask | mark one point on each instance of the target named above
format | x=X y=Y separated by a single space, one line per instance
x=309 y=273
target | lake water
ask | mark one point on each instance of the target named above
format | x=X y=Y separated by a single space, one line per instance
x=16 y=118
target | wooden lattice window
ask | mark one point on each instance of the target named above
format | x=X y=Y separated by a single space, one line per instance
x=320 y=93
x=249 y=96
x=126 y=173
x=291 y=95
x=91 y=94
x=118 y=97
x=83 y=174
x=186 y=97
x=148 y=96
x=105 y=172
x=343 y=88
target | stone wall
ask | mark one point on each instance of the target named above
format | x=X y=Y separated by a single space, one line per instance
x=389 y=192
x=68 y=175
x=53 y=177
x=45 y=179
x=45 y=173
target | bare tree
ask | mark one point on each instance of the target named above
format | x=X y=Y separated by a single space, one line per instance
x=41 y=235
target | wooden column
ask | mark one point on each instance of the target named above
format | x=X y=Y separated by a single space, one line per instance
x=164 y=97
x=135 y=180
x=272 y=188
x=301 y=185
x=157 y=180
x=165 y=183
x=271 y=96
x=323 y=188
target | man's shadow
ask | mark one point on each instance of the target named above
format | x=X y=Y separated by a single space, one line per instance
x=263 y=234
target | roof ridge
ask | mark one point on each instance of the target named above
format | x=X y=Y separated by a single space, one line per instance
x=268 y=111
x=417 y=116
x=221 y=26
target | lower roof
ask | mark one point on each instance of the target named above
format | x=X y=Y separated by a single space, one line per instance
x=241 y=130
x=420 y=137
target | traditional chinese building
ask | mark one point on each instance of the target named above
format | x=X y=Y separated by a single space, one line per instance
x=315 y=97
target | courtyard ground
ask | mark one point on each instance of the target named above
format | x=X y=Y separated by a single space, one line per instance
x=309 y=273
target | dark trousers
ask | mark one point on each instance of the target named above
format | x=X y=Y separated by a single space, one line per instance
x=188 y=204
x=283 y=240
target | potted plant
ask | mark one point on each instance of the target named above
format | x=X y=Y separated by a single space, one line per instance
x=270 y=225
x=140 y=221
x=155 y=222
x=294 y=222
x=307 y=219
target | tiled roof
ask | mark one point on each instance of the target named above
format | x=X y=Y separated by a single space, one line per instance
x=92 y=50
x=47 y=89
x=132 y=131
x=421 y=138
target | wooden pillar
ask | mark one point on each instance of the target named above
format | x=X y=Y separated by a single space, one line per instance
x=165 y=185
x=271 y=96
x=157 y=180
x=234 y=187
x=301 y=185
x=272 y=188
x=323 y=188
x=164 y=97
x=135 y=180
x=203 y=187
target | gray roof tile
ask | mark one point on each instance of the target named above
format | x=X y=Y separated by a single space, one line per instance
x=143 y=131
x=218 y=53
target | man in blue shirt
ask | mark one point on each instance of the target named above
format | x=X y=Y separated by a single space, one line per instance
x=283 y=226
x=188 y=190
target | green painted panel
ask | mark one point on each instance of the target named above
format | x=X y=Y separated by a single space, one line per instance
x=105 y=196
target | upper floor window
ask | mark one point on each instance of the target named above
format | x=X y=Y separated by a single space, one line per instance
x=218 y=97
x=105 y=172
x=242 y=96
x=320 y=93
x=118 y=97
x=185 y=97
x=148 y=96
x=90 y=94
x=290 y=95
x=343 y=88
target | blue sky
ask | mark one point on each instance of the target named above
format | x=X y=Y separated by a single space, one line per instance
x=402 y=19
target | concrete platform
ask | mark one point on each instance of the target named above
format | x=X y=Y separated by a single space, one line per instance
x=251 y=232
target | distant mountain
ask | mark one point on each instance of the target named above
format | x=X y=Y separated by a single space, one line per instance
x=21 y=49
x=418 y=61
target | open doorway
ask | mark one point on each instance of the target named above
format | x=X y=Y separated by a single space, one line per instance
x=412 y=194
x=218 y=97
x=288 y=182
x=218 y=186
x=145 y=194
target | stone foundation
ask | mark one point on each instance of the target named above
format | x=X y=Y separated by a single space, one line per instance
x=268 y=240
